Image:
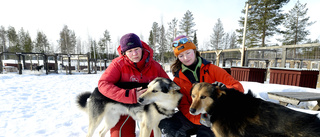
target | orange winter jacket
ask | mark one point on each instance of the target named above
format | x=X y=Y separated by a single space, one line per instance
x=208 y=73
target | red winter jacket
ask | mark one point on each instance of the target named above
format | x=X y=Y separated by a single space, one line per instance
x=208 y=73
x=121 y=69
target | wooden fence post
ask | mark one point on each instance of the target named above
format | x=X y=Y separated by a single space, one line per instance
x=19 y=63
x=1 y=69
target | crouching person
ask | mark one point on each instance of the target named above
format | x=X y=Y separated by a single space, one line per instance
x=190 y=68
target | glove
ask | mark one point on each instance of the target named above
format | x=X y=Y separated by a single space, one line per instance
x=205 y=120
x=219 y=84
x=176 y=126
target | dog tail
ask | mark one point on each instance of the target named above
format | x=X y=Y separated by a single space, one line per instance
x=82 y=100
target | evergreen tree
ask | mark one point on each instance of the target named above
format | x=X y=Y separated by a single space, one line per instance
x=186 y=24
x=67 y=40
x=226 y=41
x=93 y=49
x=13 y=40
x=79 y=46
x=162 y=43
x=25 y=41
x=216 y=37
x=195 y=39
x=295 y=24
x=150 y=41
x=41 y=43
x=172 y=31
x=106 y=39
x=156 y=35
x=262 y=22
x=102 y=46
x=3 y=40
x=233 y=40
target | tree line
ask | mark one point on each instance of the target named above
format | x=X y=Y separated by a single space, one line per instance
x=265 y=19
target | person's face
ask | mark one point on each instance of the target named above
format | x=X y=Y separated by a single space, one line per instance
x=187 y=57
x=134 y=54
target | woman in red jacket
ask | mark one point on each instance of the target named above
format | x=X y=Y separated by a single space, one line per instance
x=135 y=64
x=190 y=68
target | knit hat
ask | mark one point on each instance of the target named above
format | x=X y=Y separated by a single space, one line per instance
x=181 y=44
x=129 y=41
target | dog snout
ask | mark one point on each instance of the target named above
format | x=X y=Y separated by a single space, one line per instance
x=140 y=100
x=192 y=110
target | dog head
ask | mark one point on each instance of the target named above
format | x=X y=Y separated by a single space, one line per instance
x=203 y=96
x=160 y=90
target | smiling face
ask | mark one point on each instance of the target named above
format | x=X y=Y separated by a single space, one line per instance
x=134 y=54
x=187 y=57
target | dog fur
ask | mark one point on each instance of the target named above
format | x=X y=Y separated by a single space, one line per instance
x=158 y=102
x=38 y=67
x=234 y=114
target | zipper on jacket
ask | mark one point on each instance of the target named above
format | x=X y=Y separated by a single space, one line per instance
x=140 y=75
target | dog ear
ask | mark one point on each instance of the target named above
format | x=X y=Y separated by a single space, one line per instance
x=193 y=87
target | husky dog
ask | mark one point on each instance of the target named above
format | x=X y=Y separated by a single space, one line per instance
x=234 y=114
x=158 y=102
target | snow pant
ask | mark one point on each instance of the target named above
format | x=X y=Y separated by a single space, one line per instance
x=125 y=127
x=179 y=126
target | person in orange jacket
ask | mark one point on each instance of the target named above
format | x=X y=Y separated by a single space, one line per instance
x=135 y=64
x=190 y=68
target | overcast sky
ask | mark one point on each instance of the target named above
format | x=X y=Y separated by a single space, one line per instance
x=124 y=16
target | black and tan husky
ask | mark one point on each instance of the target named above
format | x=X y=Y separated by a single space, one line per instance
x=234 y=114
x=158 y=102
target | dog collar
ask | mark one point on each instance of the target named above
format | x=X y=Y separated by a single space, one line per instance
x=164 y=111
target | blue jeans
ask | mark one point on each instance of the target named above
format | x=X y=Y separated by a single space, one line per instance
x=179 y=126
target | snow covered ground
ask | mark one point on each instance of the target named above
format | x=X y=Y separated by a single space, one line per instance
x=39 y=105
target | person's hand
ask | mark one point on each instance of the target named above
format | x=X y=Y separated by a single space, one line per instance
x=219 y=84
x=205 y=120
x=140 y=91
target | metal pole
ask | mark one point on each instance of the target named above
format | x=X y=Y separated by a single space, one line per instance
x=244 y=36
